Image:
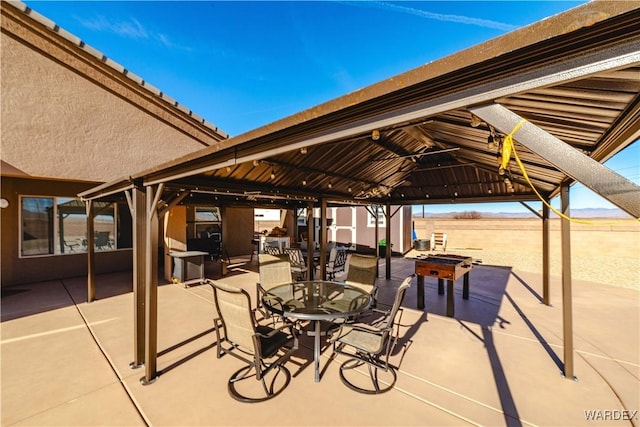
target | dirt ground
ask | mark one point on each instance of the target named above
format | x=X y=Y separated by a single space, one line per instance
x=605 y=251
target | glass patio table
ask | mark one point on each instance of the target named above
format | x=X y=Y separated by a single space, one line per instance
x=316 y=301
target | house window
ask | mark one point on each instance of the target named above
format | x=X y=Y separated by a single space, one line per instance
x=58 y=225
x=71 y=215
x=371 y=219
x=36 y=226
x=208 y=222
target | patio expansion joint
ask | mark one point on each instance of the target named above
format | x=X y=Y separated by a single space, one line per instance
x=104 y=353
x=603 y=356
x=608 y=383
x=448 y=390
x=56 y=331
x=63 y=404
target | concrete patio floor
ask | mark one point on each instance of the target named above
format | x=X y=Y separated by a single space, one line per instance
x=497 y=362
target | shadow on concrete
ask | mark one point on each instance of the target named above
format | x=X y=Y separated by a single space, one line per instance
x=189 y=356
x=487 y=289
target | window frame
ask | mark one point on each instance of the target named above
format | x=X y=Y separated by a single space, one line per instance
x=54 y=233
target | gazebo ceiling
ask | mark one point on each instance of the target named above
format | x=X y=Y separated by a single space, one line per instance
x=412 y=139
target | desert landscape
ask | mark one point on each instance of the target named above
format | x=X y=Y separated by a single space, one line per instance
x=606 y=251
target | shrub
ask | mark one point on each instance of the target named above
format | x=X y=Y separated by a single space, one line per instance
x=468 y=215
x=383 y=242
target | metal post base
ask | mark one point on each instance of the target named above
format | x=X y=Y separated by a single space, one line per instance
x=145 y=381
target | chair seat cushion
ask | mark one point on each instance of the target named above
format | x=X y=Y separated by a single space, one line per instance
x=271 y=345
x=362 y=337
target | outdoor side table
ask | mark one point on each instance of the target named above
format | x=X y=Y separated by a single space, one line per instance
x=188 y=266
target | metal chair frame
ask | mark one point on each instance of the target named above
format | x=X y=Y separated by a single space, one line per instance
x=371 y=344
x=251 y=343
x=438 y=239
x=274 y=270
x=298 y=266
x=363 y=272
x=337 y=262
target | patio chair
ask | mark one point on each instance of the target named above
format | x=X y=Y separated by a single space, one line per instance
x=336 y=263
x=254 y=251
x=272 y=250
x=252 y=343
x=102 y=240
x=362 y=273
x=298 y=266
x=72 y=245
x=438 y=239
x=274 y=270
x=370 y=344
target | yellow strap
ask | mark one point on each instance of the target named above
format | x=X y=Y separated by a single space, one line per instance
x=508 y=142
x=507 y=147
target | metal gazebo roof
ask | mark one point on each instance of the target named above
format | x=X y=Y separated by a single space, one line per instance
x=423 y=136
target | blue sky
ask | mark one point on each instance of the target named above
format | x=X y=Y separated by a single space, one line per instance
x=241 y=65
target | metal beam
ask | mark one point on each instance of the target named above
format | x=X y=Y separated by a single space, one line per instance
x=173 y=202
x=532 y=210
x=593 y=175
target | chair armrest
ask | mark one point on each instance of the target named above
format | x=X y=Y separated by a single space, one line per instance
x=274 y=301
x=276 y=330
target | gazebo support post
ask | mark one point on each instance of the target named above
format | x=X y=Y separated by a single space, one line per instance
x=374 y=211
x=151 y=284
x=387 y=215
x=136 y=199
x=567 y=311
x=323 y=238
x=311 y=241
x=91 y=253
x=546 y=235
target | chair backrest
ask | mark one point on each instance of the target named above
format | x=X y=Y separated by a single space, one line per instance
x=102 y=238
x=272 y=250
x=234 y=310
x=332 y=256
x=362 y=271
x=295 y=257
x=274 y=270
x=340 y=260
x=438 y=239
x=397 y=302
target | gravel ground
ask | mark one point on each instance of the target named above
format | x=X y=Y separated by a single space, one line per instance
x=614 y=271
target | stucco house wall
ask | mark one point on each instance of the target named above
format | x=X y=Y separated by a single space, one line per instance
x=72 y=119
x=58 y=124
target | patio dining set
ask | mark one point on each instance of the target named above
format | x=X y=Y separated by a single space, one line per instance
x=264 y=333
x=337 y=260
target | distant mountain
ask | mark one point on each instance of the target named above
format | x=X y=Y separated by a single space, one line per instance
x=598 y=213
x=575 y=213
